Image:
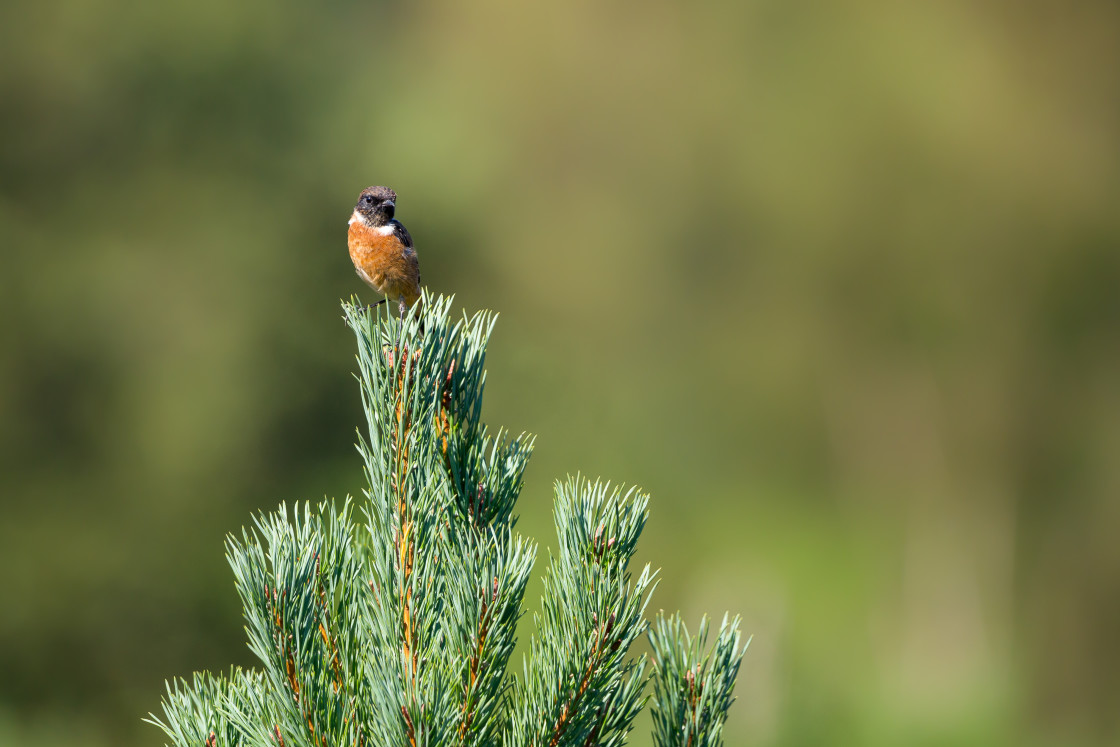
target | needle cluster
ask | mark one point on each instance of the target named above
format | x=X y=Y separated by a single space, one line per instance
x=391 y=620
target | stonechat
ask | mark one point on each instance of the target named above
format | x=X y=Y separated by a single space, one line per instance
x=382 y=249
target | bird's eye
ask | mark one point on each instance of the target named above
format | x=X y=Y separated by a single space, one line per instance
x=368 y=199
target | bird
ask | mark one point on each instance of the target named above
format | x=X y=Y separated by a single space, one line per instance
x=382 y=250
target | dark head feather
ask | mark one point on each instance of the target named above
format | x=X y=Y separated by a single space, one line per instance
x=377 y=205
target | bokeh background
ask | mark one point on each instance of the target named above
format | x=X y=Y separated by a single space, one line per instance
x=838 y=282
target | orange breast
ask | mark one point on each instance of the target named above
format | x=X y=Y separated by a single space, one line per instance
x=387 y=265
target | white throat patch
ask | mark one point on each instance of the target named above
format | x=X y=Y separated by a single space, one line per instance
x=385 y=230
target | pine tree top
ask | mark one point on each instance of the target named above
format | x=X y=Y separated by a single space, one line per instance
x=391 y=619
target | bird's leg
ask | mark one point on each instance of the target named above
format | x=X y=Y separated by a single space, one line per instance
x=403 y=308
x=371 y=307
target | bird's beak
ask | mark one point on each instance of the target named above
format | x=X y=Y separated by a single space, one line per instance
x=390 y=203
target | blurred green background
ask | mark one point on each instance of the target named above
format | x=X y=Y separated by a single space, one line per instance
x=838 y=282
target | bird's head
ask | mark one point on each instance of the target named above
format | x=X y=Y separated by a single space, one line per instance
x=376 y=205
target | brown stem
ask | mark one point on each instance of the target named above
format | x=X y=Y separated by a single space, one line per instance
x=569 y=708
x=476 y=660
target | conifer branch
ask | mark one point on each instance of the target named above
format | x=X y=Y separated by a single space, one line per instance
x=580 y=685
x=395 y=627
x=692 y=684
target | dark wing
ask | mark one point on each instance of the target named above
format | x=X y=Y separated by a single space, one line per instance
x=403 y=236
x=401 y=233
